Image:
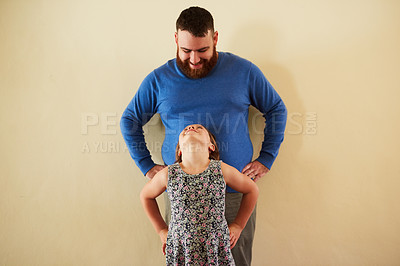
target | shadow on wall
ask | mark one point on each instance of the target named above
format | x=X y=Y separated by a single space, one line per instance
x=285 y=211
x=154 y=134
x=262 y=52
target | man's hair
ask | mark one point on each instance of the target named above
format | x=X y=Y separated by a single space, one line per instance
x=195 y=20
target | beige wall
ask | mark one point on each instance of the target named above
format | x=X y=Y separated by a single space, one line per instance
x=70 y=196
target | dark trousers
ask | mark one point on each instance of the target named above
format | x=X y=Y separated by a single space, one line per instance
x=242 y=252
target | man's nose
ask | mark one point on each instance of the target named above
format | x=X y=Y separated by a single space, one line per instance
x=190 y=127
x=194 y=58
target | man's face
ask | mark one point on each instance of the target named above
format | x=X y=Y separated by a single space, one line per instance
x=196 y=56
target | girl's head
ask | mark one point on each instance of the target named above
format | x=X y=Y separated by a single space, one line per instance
x=193 y=134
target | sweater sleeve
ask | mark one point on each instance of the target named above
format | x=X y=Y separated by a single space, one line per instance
x=264 y=97
x=139 y=111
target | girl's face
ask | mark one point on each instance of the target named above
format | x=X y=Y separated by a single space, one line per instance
x=193 y=134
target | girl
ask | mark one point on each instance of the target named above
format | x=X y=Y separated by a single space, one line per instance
x=198 y=233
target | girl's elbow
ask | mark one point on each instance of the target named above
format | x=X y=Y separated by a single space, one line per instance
x=256 y=191
x=142 y=196
x=252 y=190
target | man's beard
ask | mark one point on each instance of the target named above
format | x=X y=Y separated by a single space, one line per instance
x=201 y=72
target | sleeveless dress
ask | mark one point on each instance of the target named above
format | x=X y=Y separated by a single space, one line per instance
x=198 y=233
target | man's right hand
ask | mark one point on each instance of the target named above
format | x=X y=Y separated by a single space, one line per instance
x=153 y=171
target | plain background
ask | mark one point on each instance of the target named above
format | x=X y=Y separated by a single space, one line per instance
x=69 y=191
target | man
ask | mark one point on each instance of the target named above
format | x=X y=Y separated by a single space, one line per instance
x=215 y=89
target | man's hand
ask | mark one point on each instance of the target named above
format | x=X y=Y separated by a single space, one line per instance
x=153 y=171
x=234 y=233
x=255 y=170
x=163 y=237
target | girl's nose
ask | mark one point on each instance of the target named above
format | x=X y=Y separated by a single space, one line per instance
x=190 y=127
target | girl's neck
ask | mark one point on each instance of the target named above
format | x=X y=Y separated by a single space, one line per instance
x=194 y=163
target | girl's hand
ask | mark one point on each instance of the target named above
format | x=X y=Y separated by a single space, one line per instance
x=234 y=233
x=163 y=237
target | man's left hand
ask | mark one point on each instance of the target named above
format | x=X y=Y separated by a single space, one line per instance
x=255 y=170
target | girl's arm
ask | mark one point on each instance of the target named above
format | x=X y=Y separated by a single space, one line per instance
x=248 y=187
x=148 y=195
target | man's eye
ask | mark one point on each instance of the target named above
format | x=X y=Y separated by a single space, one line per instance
x=186 y=51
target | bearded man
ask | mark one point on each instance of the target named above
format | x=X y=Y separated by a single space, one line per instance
x=215 y=89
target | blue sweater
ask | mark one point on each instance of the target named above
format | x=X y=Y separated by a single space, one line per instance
x=220 y=102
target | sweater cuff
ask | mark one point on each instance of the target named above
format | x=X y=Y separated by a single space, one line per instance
x=145 y=165
x=266 y=159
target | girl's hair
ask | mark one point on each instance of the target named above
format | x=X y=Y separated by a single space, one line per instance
x=213 y=154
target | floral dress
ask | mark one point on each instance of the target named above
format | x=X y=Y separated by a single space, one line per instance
x=198 y=232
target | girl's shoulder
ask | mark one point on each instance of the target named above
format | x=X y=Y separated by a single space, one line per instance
x=173 y=168
x=221 y=163
x=215 y=163
x=226 y=168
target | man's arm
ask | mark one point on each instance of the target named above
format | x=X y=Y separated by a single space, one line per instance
x=139 y=111
x=264 y=97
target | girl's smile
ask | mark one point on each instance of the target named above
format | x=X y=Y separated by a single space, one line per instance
x=190 y=130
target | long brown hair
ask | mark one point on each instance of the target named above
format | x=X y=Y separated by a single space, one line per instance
x=214 y=154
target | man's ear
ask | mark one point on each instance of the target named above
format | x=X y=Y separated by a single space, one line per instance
x=176 y=38
x=215 y=38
